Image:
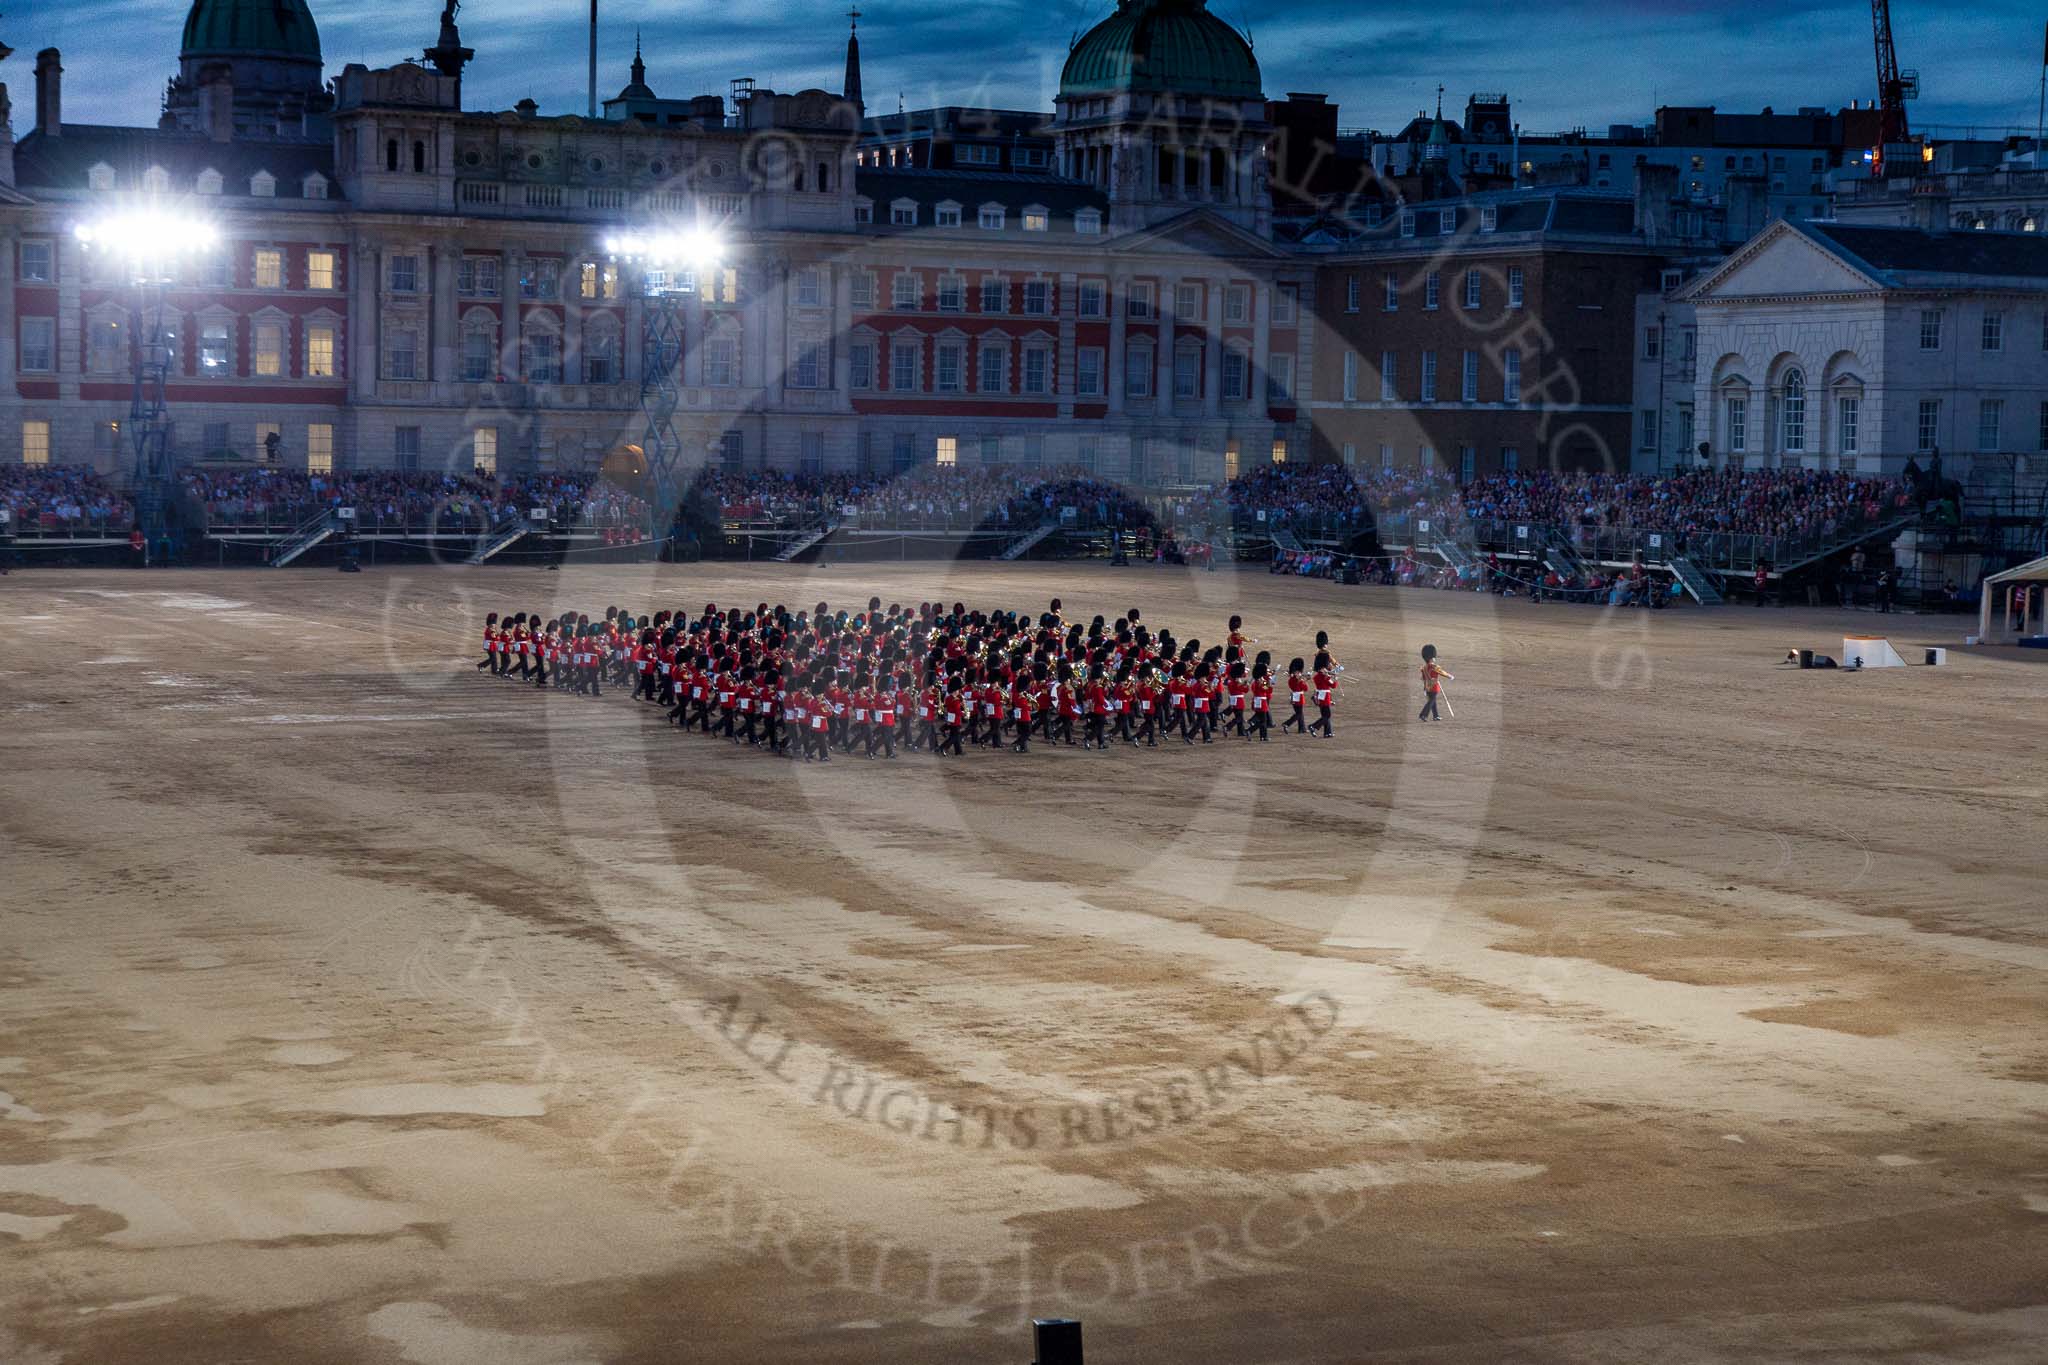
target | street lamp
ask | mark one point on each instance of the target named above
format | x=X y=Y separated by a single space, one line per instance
x=666 y=262
x=149 y=244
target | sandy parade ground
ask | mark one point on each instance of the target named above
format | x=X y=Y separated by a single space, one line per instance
x=1664 y=1006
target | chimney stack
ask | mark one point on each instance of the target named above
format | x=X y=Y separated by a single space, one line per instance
x=1930 y=207
x=6 y=138
x=49 y=93
x=217 y=101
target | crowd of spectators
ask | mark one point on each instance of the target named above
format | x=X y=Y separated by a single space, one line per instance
x=1322 y=500
x=928 y=497
x=446 y=502
x=63 y=498
x=1771 y=503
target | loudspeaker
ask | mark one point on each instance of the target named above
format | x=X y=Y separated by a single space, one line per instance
x=1056 y=1341
x=1806 y=658
x=1350 y=579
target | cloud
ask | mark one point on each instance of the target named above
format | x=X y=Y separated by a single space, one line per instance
x=1568 y=63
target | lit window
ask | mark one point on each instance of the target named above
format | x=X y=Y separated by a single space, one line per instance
x=319 y=448
x=319 y=352
x=35 y=442
x=269 y=269
x=269 y=349
x=319 y=270
x=483 y=449
x=947 y=452
x=38 y=262
x=1037 y=220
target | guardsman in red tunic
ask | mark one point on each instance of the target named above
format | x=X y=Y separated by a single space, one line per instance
x=1023 y=710
x=1146 y=696
x=956 y=707
x=1433 y=677
x=1324 y=685
x=490 y=644
x=883 y=718
x=1297 y=696
x=1262 y=703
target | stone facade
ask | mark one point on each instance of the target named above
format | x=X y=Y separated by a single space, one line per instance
x=1811 y=355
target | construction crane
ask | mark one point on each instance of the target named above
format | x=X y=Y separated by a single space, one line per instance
x=1893 y=87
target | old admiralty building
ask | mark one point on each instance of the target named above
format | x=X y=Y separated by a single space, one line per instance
x=407 y=282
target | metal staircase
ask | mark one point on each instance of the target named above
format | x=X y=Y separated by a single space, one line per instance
x=1846 y=540
x=1455 y=554
x=1561 y=557
x=1287 y=540
x=500 y=540
x=789 y=553
x=1024 y=544
x=1696 y=583
x=305 y=538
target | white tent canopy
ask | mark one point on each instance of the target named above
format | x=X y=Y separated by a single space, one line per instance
x=2015 y=605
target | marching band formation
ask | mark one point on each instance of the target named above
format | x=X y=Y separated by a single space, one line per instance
x=808 y=685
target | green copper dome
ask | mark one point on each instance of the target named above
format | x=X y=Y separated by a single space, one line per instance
x=1163 y=46
x=269 y=28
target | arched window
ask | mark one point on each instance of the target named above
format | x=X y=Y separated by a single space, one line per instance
x=824 y=177
x=1794 y=410
x=391 y=154
x=419 y=156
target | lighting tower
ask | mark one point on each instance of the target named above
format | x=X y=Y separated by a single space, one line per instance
x=147 y=245
x=663 y=269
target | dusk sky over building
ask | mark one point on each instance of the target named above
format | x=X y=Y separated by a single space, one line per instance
x=1566 y=64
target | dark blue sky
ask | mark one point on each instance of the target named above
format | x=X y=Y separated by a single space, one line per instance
x=1565 y=63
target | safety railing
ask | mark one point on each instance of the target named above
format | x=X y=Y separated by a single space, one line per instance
x=32 y=525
